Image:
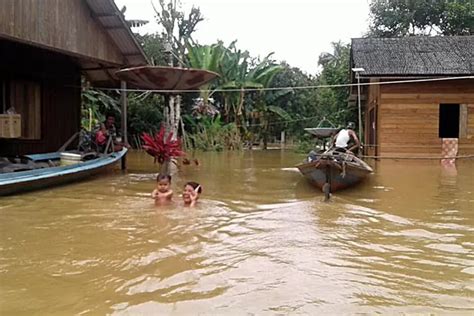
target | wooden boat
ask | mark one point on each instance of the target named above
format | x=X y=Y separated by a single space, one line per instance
x=46 y=170
x=333 y=170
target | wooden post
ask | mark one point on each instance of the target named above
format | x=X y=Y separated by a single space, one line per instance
x=361 y=140
x=124 y=101
x=282 y=139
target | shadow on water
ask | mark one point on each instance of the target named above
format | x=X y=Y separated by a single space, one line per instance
x=261 y=241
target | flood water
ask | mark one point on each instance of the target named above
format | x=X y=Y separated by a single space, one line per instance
x=261 y=241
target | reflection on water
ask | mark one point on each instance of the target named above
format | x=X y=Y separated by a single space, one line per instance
x=261 y=241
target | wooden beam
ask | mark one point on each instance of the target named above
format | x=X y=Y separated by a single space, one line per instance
x=108 y=73
x=103 y=15
x=114 y=27
x=124 y=101
x=99 y=68
x=132 y=54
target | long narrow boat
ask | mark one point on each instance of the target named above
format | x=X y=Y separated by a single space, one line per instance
x=43 y=177
x=332 y=170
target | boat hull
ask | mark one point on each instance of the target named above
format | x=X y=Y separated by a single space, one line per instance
x=338 y=175
x=19 y=182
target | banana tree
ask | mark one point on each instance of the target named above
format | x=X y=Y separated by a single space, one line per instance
x=240 y=73
x=206 y=57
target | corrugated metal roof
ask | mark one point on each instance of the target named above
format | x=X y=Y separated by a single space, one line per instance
x=113 y=22
x=412 y=56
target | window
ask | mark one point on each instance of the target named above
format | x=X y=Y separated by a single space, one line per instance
x=449 y=120
x=25 y=98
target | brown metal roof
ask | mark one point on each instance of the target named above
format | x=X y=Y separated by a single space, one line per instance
x=166 y=78
x=113 y=22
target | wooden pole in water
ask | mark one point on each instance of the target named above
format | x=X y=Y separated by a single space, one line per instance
x=124 y=101
x=282 y=139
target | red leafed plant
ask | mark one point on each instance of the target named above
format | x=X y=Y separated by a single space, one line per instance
x=162 y=148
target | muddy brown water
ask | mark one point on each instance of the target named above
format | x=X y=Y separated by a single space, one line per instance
x=261 y=241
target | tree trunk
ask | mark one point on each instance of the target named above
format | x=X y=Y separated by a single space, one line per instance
x=177 y=117
x=241 y=101
x=171 y=115
x=165 y=167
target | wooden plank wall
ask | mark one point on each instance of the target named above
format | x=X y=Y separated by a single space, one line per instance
x=408 y=116
x=59 y=79
x=65 y=25
x=466 y=144
x=25 y=97
x=372 y=103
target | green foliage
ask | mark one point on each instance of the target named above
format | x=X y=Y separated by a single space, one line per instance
x=210 y=134
x=145 y=113
x=268 y=115
x=333 y=102
x=305 y=144
x=94 y=106
x=299 y=103
x=458 y=18
x=208 y=57
x=390 y=18
x=258 y=76
x=237 y=72
x=152 y=45
x=278 y=111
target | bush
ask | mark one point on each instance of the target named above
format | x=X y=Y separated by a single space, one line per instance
x=305 y=144
x=208 y=134
x=144 y=115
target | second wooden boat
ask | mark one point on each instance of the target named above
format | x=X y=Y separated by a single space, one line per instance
x=333 y=170
x=21 y=179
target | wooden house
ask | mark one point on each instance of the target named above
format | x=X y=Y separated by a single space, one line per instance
x=45 y=48
x=433 y=102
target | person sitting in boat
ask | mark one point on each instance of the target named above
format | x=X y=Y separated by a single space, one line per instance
x=162 y=193
x=347 y=139
x=106 y=130
x=191 y=193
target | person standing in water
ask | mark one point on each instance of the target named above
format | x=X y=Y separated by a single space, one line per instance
x=162 y=193
x=346 y=137
x=191 y=193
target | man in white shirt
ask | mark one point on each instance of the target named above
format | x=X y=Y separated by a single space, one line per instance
x=346 y=137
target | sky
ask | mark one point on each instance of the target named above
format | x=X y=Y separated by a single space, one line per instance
x=297 y=31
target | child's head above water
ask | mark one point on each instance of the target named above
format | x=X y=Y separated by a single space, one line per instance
x=191 y=192
x=163 y=182
x=194 y=185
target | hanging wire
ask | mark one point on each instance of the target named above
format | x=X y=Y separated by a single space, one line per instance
x=291 y=88
x=418 y=157
x=284 y=121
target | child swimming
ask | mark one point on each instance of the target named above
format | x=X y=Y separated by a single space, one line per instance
x=191 y=193
x=162 y=193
